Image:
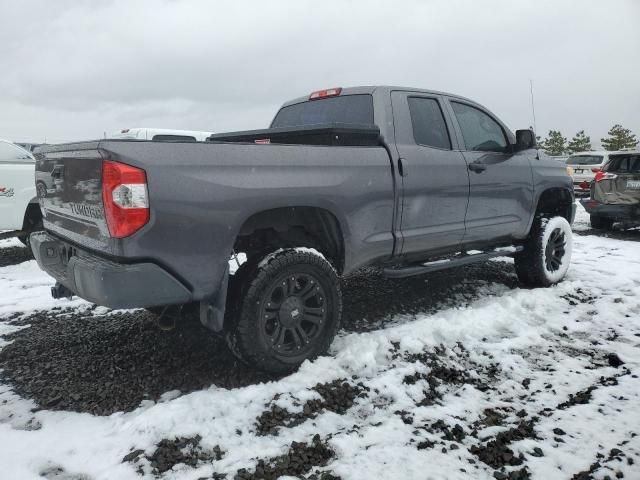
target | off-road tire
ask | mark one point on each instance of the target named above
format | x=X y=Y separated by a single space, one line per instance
x=600 y=223
x=35 y=227
x=253 y=287
x=545 y=259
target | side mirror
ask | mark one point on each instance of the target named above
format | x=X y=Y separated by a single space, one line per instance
x=525 y=139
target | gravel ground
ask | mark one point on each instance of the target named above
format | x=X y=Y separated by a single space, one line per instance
x=70 y=360
x=90 y=360
x=14 y=255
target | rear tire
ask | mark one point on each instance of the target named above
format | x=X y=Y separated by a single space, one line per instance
x=284 y=310
x=600 y=223
x=547 y=253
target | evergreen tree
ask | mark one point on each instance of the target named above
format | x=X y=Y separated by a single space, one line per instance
x=555 y=144
x=579 y=143
x=539 y=142
x=619 y=138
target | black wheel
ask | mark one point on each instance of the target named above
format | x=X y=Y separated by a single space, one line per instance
x=33 y=224
x=600 y=223
x=287 y=309
x=547 y=253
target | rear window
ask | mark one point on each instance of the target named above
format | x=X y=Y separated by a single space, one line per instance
x=584 y=160
x=623 y=164
x=173 y=138
x=342 y=109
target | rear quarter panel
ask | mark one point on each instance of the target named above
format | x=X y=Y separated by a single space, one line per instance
x=201 y=194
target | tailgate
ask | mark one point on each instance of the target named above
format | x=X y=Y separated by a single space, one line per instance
x=68 y=182
x=620 y=181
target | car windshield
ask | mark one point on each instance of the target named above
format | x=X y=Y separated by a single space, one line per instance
x=584 y=160
x=343 y=109
x=624 y=164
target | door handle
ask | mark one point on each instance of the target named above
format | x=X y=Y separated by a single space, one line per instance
x=477 y=167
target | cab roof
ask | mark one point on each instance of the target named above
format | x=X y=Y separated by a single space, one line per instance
x=370 y=89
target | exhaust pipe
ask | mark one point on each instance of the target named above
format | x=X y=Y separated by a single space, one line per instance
x=60 y=291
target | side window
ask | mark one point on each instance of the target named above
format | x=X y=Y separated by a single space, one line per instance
x=479 y=131
x=10 y=153
x=429 y=127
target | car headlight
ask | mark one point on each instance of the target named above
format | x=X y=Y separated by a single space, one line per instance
x=570 y=171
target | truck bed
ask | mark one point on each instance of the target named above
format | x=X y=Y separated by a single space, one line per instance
x=200 y=195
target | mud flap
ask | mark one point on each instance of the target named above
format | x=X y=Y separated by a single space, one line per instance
x=212 y=308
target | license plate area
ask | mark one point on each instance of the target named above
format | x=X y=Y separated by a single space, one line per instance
x=633 y=184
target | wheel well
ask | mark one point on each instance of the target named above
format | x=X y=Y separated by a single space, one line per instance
x=555 y=201
x=292 y=227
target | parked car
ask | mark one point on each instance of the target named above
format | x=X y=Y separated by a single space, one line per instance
x=29 y=147
x=410 y=180
x=615 y=192
x=19 y=210
x=584 y=165
x=161 y=135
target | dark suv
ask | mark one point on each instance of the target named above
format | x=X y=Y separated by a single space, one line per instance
x=615 y=192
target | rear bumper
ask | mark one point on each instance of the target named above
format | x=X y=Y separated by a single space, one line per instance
x=104 y=282
x=618 y=213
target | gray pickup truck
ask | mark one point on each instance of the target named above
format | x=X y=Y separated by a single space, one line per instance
x=409 y=180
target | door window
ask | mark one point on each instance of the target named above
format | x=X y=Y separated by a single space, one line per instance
x=11 y=153
x=480 y=132
x=429 y=127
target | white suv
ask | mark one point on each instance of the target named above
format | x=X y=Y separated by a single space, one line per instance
x=585 y=165
x=19 y=209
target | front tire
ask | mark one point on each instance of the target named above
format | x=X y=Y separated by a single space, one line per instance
x=547 y=253
x=287 y=309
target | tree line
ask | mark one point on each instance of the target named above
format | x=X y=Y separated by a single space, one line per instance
x=556 y=144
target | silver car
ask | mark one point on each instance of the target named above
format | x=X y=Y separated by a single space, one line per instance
x=584 y=166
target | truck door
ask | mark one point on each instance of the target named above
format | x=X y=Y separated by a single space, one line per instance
x=501 y=183
x=434 y=175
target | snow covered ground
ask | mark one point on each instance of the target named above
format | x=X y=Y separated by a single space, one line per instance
x=520 y=383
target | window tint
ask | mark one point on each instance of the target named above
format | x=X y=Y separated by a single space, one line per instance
x=341 y=109
x=479 y=131
x=173 y=138
x=584 y=160
x=11 y=153
x=429 y=127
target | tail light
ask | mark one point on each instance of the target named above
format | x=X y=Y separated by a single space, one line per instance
x=602 y=175
x=329 y=92
x=125 y=198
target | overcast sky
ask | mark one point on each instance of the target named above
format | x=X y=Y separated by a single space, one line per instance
x=71 y=70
